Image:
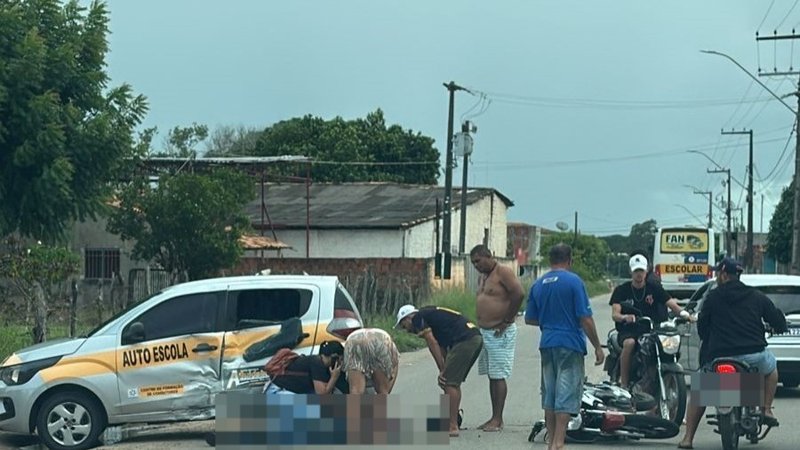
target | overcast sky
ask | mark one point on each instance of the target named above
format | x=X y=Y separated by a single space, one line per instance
x=594 y=105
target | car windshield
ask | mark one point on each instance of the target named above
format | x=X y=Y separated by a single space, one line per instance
x=786 y=298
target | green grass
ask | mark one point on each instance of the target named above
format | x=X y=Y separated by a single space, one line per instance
x=14 y=337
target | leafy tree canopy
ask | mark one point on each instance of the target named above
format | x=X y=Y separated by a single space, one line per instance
x=189 y=223
x=588 y=253
x=388 y=153
x=64 y=134
x=779 y=239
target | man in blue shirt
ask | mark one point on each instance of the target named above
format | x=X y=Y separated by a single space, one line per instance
x=559 y=305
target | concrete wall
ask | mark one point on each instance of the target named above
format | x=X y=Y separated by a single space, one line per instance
x=486 y=218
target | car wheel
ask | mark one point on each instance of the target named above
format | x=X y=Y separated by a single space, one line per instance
x=70 y=421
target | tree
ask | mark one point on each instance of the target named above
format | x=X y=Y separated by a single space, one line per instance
x=232 y=141
x=642 y=236
x=64 y=134
x=337 y=143
x=589 y=253
x=188 y=224
x=38 y=273
x=779 y=238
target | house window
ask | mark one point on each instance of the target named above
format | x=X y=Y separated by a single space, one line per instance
x=101 y=263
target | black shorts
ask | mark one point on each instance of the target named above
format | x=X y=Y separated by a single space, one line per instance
x=622 y=335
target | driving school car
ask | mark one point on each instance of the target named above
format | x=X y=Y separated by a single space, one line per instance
x=166 y=358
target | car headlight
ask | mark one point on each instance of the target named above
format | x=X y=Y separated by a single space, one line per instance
x=22 y=373
x=670 y=344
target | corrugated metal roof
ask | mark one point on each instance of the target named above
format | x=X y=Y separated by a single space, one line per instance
x=356 y=205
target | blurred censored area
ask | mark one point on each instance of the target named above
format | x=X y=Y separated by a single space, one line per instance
x=727 y=389
x=248 y=420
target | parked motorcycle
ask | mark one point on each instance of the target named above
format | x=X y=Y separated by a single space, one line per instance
x=733 y=422
x=655 y=369
x=610 y=412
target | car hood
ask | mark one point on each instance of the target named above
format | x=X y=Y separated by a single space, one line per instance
x=56 y=347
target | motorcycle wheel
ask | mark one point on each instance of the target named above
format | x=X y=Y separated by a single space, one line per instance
x=727 y=429
x=652 y=427
x=675 y=389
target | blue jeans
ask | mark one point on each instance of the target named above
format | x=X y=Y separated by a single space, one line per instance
x=763 y=360
x=562 y=380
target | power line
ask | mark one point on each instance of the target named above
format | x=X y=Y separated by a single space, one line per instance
x=765 y=15
x=613 y=104
x=787 y=14
x=780 y=158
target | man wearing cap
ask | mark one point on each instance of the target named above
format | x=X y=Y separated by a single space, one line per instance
x=732 y=321
x=649 y=298
x=454 y=342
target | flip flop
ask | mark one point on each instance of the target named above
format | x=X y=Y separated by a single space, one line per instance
x=454 y=434
x=492 y=429
x=769 y=421
x=684 y=446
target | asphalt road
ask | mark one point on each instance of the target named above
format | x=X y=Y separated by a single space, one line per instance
x=417 y=382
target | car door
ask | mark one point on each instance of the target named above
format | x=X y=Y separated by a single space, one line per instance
x=169 y=358
x=257 y=312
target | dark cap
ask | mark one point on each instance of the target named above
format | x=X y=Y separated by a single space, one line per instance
x=729 y=265
x=329 y=348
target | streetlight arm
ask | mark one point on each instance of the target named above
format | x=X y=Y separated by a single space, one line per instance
x=718 y=166
x=713 y=52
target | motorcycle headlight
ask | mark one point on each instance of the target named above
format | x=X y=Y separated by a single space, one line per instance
x=22 y=373
x=670 y=344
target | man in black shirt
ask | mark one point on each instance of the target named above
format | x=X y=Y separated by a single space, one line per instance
x=648 y=298
x=454 y=342
x=732 y=321
x=313 y=374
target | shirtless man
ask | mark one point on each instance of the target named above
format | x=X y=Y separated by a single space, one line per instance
x=498 y=301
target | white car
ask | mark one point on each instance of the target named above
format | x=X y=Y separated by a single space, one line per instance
x=784 y=291
x=166 y=358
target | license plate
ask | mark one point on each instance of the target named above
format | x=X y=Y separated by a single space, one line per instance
x=685 y=268
x=792 y=332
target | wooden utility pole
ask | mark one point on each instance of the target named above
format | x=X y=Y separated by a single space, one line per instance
x=447 y=208
x=727 y=206
x=748 y=251
x=794 y=268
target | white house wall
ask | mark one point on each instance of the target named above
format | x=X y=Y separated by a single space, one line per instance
x=418 y=241
x=343 y=243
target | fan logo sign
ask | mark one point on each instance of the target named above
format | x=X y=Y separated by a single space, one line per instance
x=156 y=354
x=684 y=242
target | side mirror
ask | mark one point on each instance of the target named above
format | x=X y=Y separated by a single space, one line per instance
x=133 y=333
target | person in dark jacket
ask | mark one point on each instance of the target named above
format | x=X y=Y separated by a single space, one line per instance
x=732 y=322
x=313 y=374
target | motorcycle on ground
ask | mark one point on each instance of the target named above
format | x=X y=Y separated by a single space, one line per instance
x=610 y=412
x=655 y=369
x=733 y=422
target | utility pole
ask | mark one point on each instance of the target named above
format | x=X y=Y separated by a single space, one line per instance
x=447 y=208
x=575 y=244
x=465 y=144
x=795 y=264
x=710 y=204
x=727 y=206
x=748 y=251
